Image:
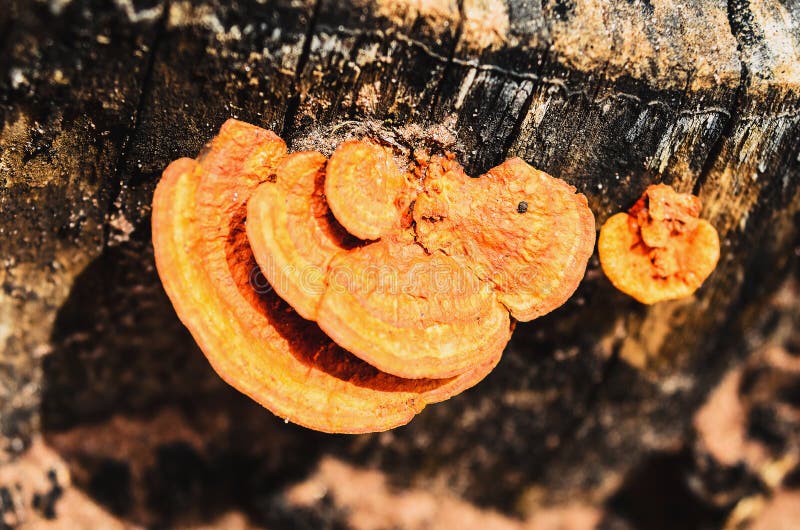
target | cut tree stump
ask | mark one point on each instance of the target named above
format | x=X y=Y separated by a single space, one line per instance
x=96 y=98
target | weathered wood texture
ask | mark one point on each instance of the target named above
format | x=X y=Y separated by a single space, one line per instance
x=97 y=97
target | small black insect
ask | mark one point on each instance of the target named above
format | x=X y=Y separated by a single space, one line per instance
x=522 y=207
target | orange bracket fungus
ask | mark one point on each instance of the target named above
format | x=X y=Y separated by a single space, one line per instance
x=389 y=284
x=660 y=249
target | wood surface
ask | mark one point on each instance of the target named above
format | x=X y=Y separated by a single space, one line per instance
x=97 y=97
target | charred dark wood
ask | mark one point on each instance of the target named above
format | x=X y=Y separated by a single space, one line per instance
x=97 y=97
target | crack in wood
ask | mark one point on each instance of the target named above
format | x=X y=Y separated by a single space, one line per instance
x=738 y=102
x=451 y=56
x=750 y=38
x=519 y=122
x=293 y=104
x=147 y=81
x=5 y=37
x=5 y=33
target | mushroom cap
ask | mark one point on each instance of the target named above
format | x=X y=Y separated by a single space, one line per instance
x=365 y=189
x=252 y=338
x=431 y=297
x=292 y=232
x=405 y=312
x=410 y=313
x=660 y=249
x=528 y=234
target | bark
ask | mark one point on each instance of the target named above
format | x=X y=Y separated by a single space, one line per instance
x=96 y=98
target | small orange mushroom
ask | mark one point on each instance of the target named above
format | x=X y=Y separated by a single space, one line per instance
x=365 y=189
x=253 y=339
x=660 y=249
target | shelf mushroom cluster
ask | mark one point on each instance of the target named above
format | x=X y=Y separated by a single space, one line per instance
x=345 y=294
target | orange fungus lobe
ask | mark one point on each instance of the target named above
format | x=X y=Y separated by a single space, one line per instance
x=660 y=249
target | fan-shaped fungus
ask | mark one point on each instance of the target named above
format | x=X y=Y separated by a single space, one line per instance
x=528 y=234
x=432 y=296
x=253 y=339
x=417 y=314
x=410 y=313
x=660 y=249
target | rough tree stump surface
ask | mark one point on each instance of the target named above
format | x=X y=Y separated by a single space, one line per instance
x=97 y=97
